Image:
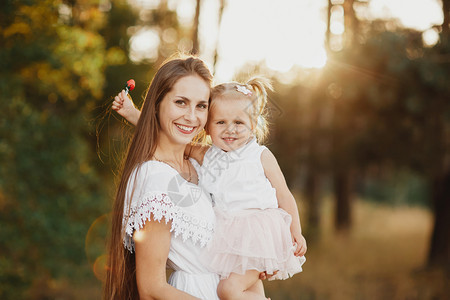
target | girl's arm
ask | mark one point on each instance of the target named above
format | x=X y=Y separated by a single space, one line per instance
x=124 y=106
x=285 y=198
x=152 y=245
x=197 y=152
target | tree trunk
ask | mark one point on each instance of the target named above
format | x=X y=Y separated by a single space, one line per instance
x=162 y=9
x=216 y=50
x=446 y=23
x=328 y=32
x=439 y=254
x=312 y=191
x=350 y=23
x=195 y=40
x=342 y=191
x=313 y=200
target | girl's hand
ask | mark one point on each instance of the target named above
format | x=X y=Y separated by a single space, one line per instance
x=300 y=244
x=124 y=106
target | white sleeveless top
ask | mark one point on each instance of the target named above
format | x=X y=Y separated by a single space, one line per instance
x=161 y=193
x=236 y=179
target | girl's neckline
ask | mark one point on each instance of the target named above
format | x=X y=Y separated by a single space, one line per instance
x=175 y=170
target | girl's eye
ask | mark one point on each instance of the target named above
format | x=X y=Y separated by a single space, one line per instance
x=239 y=122
x=220 y=122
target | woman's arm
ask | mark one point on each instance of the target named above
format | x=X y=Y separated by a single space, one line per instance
x=124 y=106
x=285 y=198
x=152 y=245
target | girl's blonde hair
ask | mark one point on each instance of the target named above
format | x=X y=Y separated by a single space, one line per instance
x=255 y=90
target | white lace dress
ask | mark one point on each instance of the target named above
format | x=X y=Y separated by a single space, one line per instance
x=160 y=193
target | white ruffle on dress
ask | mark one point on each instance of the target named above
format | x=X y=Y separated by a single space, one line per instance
x=251 y=232
x=160 y=193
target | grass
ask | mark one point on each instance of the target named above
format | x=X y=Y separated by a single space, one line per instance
x=382 y=257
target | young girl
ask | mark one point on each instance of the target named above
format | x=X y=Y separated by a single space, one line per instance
x=258 y=226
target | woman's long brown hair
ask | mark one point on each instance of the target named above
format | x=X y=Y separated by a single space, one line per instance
x=121 y=267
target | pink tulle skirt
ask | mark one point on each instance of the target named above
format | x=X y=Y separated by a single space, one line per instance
x=253 y=239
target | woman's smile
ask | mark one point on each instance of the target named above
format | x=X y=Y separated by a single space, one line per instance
x=185 y=129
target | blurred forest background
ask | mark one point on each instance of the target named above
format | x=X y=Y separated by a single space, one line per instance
x=363 y=142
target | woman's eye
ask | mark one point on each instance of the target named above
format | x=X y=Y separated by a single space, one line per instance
x=203 y=106
x=181 y=102
x=220 y=122
x=239 y=122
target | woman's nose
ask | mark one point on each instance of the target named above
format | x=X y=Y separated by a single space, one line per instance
x=190 y=114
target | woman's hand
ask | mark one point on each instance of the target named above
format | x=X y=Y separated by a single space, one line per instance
x=124 y=106
x=264 y=275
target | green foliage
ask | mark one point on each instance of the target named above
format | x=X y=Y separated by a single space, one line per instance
x=61 y=62
x=49 y=192
x=381 y=103
x=396 y=110
x=399 y=188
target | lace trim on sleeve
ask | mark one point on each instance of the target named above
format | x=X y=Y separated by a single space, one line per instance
x=159 y=205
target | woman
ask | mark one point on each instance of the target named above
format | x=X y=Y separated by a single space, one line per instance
x=159 y=213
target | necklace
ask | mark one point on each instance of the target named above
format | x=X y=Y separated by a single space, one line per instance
x=189 y=179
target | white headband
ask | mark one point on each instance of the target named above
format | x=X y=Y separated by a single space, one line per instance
x=243 y=89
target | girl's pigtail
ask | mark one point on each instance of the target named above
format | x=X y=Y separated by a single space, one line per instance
x=260 y=85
